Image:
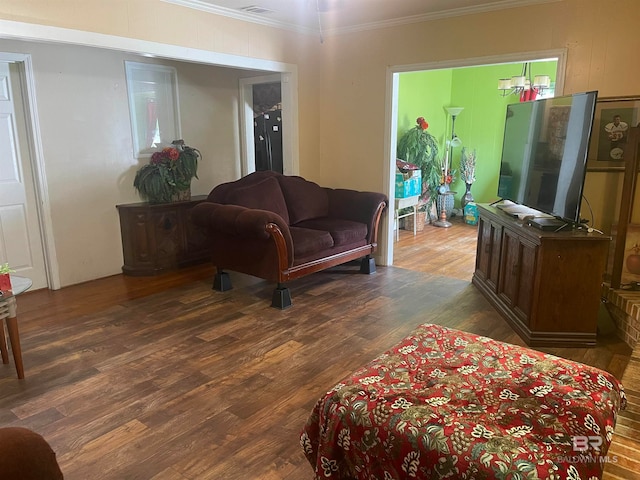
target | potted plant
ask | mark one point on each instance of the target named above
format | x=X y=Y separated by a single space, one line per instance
x=167 y=177
x=5 y=279
x=419 y=147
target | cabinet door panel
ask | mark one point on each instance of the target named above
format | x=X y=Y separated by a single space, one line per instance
x=167 y=237
x=496 y=251
x=483 y=252
x=517 y=275
x=526 y=280
x=509 y=271
x=488 y=252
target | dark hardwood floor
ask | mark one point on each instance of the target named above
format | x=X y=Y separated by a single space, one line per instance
x=163 y=378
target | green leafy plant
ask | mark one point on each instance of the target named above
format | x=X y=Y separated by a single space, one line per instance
x=169 y=172
x=5 y=269
x=419 y=147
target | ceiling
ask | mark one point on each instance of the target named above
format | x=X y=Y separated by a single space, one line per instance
x=341 y=16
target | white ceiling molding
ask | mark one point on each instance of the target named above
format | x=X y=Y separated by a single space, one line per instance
x=242 y=15
x=238 y=14
x=427 y=17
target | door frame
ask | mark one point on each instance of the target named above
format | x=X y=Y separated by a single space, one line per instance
x=36 y=159
x=290 y=137
x=391 y=116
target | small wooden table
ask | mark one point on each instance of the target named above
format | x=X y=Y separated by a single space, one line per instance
x=406 y=203
x=8 y=311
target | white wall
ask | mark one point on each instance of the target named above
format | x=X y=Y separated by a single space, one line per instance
x=87 y=144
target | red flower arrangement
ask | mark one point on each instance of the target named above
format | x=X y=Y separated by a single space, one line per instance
x=422 y=123
x=168 y=174
x=167 y=154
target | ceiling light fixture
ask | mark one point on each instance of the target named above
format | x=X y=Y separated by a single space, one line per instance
x=523 y=86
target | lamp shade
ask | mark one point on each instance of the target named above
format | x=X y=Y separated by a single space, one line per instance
x=518 y=81
x=504 y=84
x=542 y=81
x=453 y=111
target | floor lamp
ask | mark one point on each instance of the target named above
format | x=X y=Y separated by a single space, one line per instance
x=449 y=145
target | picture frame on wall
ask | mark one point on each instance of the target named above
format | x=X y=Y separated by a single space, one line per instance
x=154 y=107
x=613 y=118
x=631 y=265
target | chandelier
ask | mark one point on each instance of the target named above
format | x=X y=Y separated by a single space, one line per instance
x=523 y=86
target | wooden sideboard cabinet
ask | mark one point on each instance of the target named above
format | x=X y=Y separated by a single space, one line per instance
x=547 y=285
x=160 y=237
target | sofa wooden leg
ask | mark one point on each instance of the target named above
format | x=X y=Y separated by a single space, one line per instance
x=368 y=265
x=222 y=281
x=281 y=297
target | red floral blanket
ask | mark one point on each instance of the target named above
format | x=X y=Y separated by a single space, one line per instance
x=449 y=404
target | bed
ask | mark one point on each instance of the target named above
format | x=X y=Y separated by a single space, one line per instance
x=449 y=404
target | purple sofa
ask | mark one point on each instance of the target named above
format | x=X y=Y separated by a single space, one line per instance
x=280 y=227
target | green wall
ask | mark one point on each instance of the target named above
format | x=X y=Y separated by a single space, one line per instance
x=480 y=125
x=424 y=97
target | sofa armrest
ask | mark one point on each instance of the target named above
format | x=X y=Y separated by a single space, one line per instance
x=358 y=206
x=237 y=221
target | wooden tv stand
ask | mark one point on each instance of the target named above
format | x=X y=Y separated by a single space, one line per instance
x=547 y=285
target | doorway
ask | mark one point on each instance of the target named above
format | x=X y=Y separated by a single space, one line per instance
x=22 y=237
x=392 y=116
x=267 y=122
x=281 y=124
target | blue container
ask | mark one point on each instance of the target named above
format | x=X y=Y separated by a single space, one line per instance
x=471 y=213
x=409 y=187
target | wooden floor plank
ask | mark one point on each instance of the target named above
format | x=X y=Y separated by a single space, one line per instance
x=162 y=378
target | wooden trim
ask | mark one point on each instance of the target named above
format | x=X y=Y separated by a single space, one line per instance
x=376 y=224
x=281 y=248
x=626 y=203
x=326 y=262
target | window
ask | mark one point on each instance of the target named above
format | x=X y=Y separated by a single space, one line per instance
x=153 y=106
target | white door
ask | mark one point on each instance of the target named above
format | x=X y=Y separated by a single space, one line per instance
x=20 y=236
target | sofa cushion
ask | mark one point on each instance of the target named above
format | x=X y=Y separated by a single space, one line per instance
x=263 y=195
x=304 y=199
x=342 y=231
x=308 y=241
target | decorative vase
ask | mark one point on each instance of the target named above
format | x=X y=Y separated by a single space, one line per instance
x=5 y=282
x=447 y=199
x=467 y=197
x=181 y=195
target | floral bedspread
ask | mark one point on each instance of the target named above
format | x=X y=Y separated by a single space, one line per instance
x=449 y=404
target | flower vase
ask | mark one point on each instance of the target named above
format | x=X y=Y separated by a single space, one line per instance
x=5 y=282
x=467 y=197
x=445 y=197
x=182 y=195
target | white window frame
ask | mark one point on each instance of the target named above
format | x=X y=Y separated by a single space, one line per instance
x=143 y=77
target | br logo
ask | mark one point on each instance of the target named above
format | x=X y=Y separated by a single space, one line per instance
x=581 y=443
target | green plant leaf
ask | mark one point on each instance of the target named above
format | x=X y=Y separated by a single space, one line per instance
x=159 y=182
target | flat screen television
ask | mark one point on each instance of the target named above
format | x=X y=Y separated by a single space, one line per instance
x=544 y=154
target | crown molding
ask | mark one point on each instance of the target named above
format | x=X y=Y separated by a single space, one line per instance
x=262 y=20
x=427 y=17
x=244 y=16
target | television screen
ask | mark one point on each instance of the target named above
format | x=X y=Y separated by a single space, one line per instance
x=544 y=153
